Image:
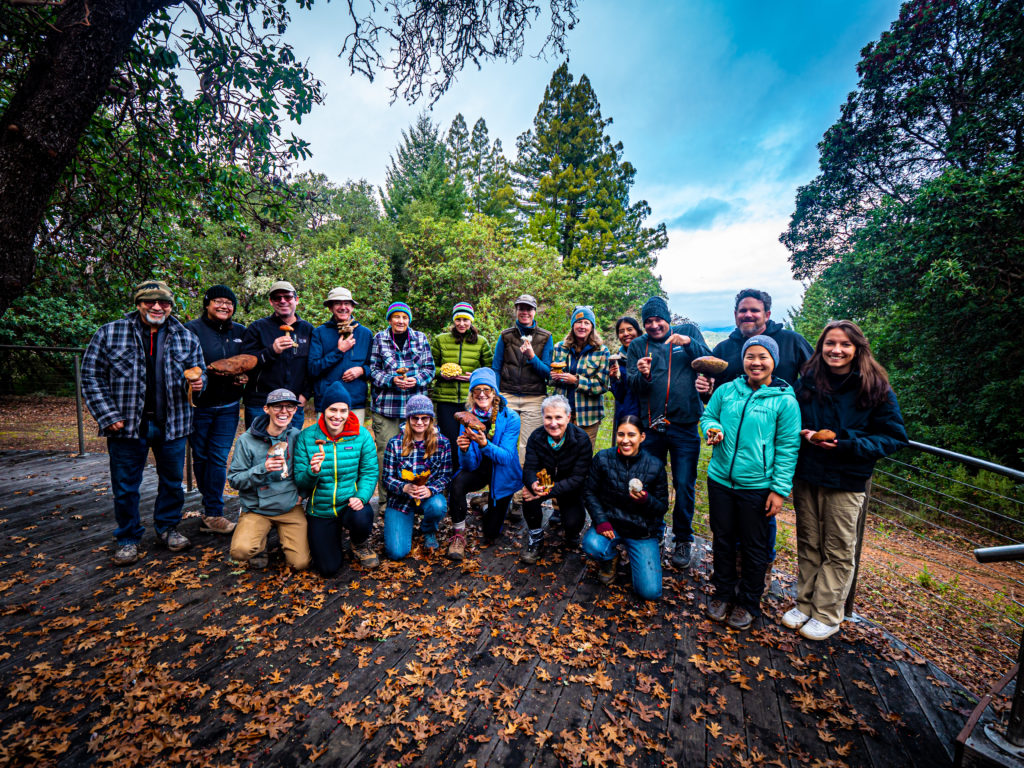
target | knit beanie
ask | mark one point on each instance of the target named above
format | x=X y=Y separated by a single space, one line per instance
x=762 y=341
x=419 y=405
x=483 y=376
x=398 y=306
x=153 y=290
x=655 y=307
x=463 y=309
x=335 y=393
x=219 y=292
x=584 y=313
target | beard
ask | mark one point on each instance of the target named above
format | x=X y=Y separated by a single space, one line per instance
x=155 y=320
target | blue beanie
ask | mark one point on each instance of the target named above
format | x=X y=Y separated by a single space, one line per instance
x=419 y=405
x=762 y=341
x=584 y=313
x=483 y=376
x=655 y=307
x=335 y=393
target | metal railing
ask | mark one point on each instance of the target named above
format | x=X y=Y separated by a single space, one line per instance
x=49 y=378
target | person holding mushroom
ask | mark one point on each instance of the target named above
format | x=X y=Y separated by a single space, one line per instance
x=417 y=470
x=401 y=366
x=336 y=464
x=280 y=343
x=340 y=351
x=754 y=425
x=849 y=420
x=579 y=371
x=626 y=495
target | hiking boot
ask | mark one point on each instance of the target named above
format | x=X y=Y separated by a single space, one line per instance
x=457 y=547
x=259 y=561
x=818 y=630
x=716 y=610
x=681 y=554
x=740 y=618
x=173 y=540
x=531 y=552
x=794 y=618
x=606 y=574
x=218 y=524
x=430 y=541
x=366 y=556
x=126 y=553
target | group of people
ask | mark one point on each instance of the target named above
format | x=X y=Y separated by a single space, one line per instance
x=453 y=415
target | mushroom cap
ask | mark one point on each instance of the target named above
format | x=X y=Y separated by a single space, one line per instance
x=193 y=374
x=709 y=364
x=823 y=436
x=287 y=327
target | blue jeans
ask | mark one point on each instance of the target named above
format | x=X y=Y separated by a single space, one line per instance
x=127 y=462
x=644 y=559
x=213 y=432
x=398 y=525
x=252 y=411
x=680 y=441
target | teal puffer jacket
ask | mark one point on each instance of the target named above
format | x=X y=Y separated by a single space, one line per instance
x=349 y=467
x=761 y=431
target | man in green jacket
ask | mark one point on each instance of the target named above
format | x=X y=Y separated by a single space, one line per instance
x=261 y=473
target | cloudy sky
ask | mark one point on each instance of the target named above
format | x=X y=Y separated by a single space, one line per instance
x=719 y=106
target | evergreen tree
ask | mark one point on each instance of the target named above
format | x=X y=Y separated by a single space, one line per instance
x=419 y=183
x=574 y=186
x=458 y=149
x=489 y=178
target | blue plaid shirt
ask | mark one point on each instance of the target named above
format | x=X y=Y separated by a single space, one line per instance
x=114 y=376
x=440 y=466
x=385 y=360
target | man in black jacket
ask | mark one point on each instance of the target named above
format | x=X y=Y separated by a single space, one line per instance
x=281 y=346
x=564 y=451
x=215 y=419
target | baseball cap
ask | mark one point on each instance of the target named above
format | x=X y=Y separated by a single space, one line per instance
x=282 y=396
x=281 y=285
x=526 y=299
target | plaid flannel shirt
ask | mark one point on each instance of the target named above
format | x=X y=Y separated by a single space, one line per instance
x=385 y=360
x=114 y=376
x=587 y=397
x=440 y=466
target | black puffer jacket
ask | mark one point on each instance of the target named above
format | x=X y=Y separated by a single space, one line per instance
x=606 y=494
x=568 y=466
x=863 y=435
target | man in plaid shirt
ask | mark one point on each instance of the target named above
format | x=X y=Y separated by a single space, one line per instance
x=401 y=365
x=134 y=386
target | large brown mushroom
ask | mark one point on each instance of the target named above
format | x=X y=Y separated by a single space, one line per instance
x=709 y=365
x=470 y=422
x=233 y=366
x=192 y=374
x=823 y=436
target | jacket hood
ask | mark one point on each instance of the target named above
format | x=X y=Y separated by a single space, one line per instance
x=259 y=429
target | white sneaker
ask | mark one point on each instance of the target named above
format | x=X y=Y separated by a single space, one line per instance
x=794 y=618
x=816 y=630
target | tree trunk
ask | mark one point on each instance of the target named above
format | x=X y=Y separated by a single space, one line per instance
x=47 y=115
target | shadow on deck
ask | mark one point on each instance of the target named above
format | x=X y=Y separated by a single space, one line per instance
x=187 y=658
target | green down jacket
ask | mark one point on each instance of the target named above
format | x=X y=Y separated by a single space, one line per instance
x=761 y=431
x=349 y=467
x=446 y=349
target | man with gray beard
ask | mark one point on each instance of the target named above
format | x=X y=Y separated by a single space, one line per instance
x=134 y=384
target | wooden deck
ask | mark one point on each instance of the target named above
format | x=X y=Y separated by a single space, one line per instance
x=189 y=659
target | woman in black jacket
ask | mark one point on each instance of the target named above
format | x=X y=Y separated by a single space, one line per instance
x=627 y=498
x=564 y=451
x=845 y=391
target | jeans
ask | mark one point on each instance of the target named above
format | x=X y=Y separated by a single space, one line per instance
x=644 y=559
x=252 y=411
x=398 y=525
x=466 y=481
x=213 y=432
x=449 y=427
x=739 y=525
x=570 y=507
x=384 y=428
x=127 y=462
x=680 y=441
x=325 y=534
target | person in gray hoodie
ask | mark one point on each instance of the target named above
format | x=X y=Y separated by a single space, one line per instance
x=261 y=472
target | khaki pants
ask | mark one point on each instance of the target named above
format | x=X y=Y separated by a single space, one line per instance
x=383 y=430
x=592 y=431
x=250 y=536
x=826 y=535
x=530 y=417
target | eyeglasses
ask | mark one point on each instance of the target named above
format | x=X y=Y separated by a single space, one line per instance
x=160 y=302
x=419 y=419
x=485 y=390
x=277 y=298
x=283 y=407
x=222 y=303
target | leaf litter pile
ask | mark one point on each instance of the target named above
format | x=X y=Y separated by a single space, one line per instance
x=189 y=659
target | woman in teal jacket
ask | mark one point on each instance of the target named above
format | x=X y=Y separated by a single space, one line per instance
x=754 y=424
x=336 y=463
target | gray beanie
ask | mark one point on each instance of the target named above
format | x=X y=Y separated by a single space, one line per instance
x=762 y=341
x=419 y=405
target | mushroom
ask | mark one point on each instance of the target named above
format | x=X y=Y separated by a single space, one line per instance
x=710 y=434
x=823 y=436
x=233 y=366
x=288 y=333
x=558 y=367
x=635 y=486
x=709 y=365
x=544 y=478
x=280 y=449
x=416 y=479
x=192 y=374
x=470 y=422
x=344 y=330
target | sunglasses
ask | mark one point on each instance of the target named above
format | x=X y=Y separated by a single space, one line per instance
x=277 y=298
x=157 y=302
x=419 y=419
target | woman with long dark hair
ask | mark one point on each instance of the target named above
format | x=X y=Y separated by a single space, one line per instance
x=849 y=419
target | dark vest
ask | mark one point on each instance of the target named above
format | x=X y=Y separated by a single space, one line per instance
x=518 y=376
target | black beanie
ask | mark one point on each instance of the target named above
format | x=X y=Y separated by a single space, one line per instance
x=219 y=292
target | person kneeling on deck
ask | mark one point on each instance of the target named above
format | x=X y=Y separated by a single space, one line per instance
x=627 y=498
x=417 y=470
x=261 y=474
x=336 y=462
x=560 y=451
